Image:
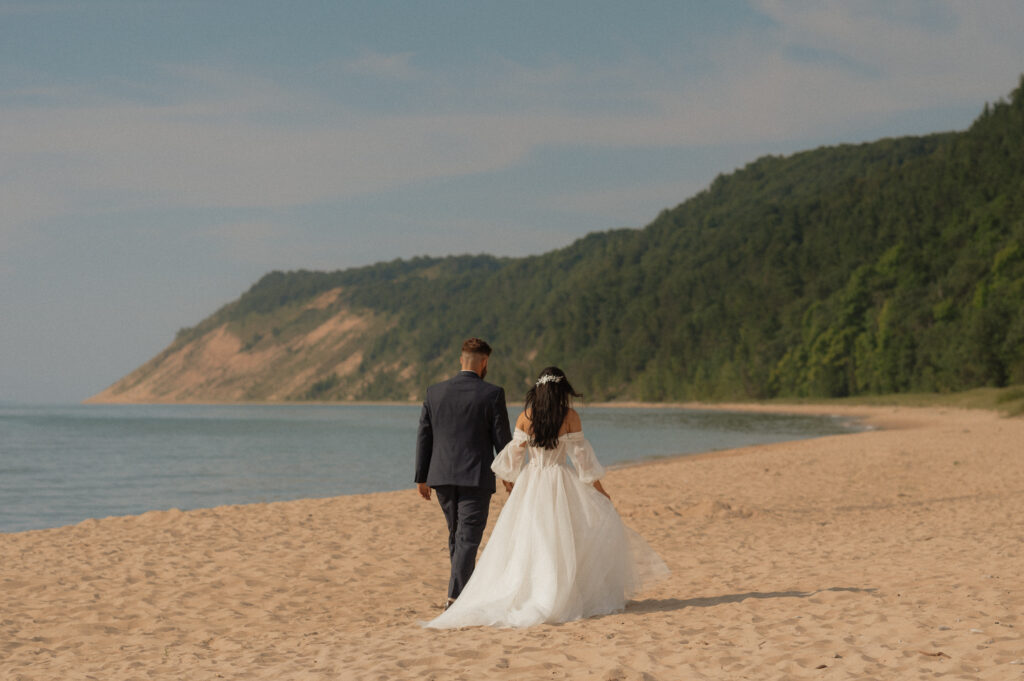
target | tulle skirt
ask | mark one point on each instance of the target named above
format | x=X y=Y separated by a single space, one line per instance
x=558 y=552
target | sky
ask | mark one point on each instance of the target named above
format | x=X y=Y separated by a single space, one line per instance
x=158 y=157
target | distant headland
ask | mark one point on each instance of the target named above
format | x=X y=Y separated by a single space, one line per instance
x=882 y=267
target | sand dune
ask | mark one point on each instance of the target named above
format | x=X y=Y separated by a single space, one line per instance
x=889 y=554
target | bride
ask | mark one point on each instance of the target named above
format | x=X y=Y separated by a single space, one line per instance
x=559 y=550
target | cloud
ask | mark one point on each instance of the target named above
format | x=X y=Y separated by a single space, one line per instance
x=624 y=206
x=915 y=52
x=217 y=153
x=204 y=137
x=832 y=70
x=256 y=242
x=394 y=66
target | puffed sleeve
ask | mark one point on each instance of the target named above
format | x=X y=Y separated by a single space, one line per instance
x=583 y=458
x=509 y=462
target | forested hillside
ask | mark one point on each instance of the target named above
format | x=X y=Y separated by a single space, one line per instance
x=891 y=266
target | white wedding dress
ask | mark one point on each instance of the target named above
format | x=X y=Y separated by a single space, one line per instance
x=558 y=551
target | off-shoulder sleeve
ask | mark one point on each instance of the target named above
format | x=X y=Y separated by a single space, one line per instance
x=583 y=458
x=509 y=462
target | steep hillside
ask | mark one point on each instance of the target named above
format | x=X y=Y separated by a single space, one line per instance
x=883 y=267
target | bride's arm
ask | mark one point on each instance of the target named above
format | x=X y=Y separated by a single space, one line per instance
x=509 y=461
x=523 y=424
x=573 y=424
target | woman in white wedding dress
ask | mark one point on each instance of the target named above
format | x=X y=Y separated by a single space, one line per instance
x=559 y=550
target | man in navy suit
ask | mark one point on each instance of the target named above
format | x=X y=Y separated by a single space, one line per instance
x=463 y=423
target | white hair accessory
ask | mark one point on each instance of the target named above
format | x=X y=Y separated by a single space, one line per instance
x=548 y=378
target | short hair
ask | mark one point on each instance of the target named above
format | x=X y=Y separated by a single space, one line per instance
x=476 y=346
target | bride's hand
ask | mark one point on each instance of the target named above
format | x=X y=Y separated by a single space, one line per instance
x=599 y=488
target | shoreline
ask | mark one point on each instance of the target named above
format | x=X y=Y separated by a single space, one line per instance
x=888 y=553
x=854 y=417
x=962 y=400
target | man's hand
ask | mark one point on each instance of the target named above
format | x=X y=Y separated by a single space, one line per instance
x=423 y=490
x=508 y=486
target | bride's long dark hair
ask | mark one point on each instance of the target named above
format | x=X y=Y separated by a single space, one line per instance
x=547 y=403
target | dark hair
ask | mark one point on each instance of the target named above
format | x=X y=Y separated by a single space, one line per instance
x=547 y=404
x=476 y=346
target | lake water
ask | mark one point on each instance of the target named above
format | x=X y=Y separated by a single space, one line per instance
x=62 y=464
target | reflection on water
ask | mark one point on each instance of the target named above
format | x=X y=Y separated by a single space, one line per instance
x=634 y=434
x=60 y=465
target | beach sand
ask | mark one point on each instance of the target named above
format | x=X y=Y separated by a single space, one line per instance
x=896 y=553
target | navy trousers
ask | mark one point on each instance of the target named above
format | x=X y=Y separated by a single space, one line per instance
x=465 y=509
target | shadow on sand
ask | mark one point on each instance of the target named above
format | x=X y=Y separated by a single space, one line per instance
x=667 y=604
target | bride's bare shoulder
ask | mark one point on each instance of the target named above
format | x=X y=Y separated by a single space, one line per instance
x=573 y=424
x=523 y=422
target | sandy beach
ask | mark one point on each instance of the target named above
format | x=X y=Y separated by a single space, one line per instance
x=895 y=553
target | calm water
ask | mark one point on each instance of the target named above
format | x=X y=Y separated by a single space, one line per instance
x=62 y=464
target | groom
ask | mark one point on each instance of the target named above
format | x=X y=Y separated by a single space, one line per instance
x=463 y=422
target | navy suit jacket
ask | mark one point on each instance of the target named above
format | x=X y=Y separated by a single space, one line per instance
x=464 y=421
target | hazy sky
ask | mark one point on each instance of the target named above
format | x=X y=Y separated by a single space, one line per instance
x=156 y=158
